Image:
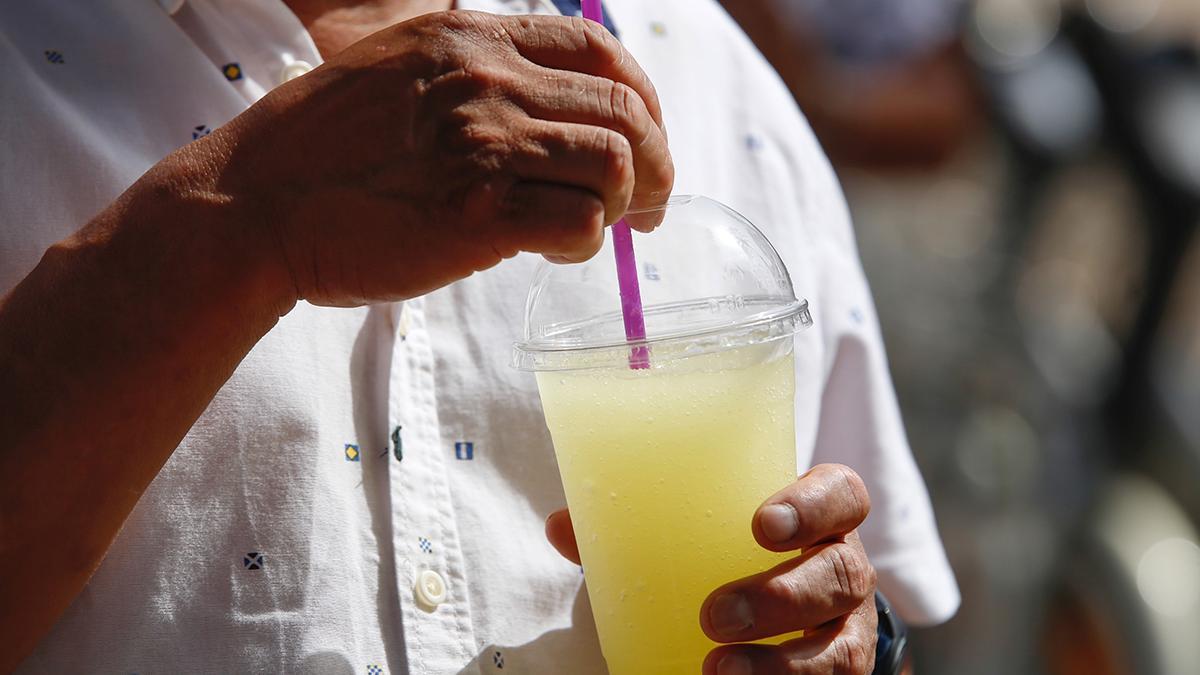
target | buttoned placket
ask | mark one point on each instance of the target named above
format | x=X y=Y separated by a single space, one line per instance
x=430 y=571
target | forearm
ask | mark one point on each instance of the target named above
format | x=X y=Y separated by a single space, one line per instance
x=109 y=351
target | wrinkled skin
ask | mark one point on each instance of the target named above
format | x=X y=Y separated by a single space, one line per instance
x=449 y=142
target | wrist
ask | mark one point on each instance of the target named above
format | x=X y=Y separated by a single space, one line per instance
x=219 y=227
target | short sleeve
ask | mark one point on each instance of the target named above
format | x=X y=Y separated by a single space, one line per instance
x=860 y=426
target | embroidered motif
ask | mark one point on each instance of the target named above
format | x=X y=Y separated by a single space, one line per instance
x=200 y=131
x=425 y=544
x=464 y=450
x=253 y=560
x=397 y=444
x=55 y=57
x=352 y=453
x=232 y=71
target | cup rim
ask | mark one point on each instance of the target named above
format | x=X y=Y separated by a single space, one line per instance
x=784 y=321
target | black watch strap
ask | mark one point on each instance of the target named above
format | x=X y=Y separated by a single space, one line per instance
x=891 y=650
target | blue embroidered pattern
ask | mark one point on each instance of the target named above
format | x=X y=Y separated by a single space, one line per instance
x=398 y=443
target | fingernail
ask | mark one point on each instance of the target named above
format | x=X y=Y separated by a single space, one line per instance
x=730 y=614
x=779 y=522
x=734 y=664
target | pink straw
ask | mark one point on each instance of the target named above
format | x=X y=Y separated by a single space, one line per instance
x=627 y=271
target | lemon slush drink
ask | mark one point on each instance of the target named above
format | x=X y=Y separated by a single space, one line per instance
x=663 y=469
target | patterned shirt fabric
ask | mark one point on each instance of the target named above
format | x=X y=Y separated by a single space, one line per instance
x=368 y=490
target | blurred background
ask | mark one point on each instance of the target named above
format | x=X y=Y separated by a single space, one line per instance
x=1024 y=177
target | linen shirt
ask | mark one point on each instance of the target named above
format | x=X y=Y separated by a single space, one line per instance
x=355 y=452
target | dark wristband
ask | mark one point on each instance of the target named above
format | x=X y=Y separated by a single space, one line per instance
x=891 y=650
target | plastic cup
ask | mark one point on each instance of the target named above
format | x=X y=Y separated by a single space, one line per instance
x=663 y=467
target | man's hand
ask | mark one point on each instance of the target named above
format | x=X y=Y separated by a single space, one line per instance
x=440 y=146
x=828 y=591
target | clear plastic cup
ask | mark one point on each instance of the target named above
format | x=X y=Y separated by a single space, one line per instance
x=664 y=466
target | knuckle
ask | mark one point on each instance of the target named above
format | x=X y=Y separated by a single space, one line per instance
x=852 y=656
x=622 y=105
x=468 y=76
x=590 y=241
x=603 y=48
x=618 y=162
x=579 y=32
x=579 y=244
x=599 y=40
x=664 y=178
x=454 y=19
x=853 y=576
x=857 y=488
x=475 y=29
x=486 y=147
x=482 y=78
x=591 y=211
x=479 y=139
x=782 y=590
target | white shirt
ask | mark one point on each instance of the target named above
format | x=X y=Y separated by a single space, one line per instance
x=288 y=530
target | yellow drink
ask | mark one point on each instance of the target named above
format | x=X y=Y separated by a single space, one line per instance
x=663 y=470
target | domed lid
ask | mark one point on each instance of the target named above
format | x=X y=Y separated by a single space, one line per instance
x=709 y=281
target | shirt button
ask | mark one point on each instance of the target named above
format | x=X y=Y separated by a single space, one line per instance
x=430 y=589
x=293 y=70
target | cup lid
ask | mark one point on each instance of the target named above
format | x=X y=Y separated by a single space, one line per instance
x=709 y=281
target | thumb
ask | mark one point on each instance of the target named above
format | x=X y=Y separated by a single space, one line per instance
x=561 y=534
